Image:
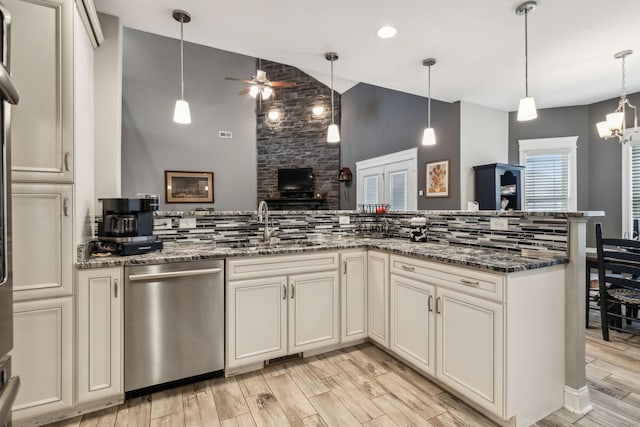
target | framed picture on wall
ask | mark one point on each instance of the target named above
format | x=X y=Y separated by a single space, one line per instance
x=438 y=178
x=188 y=187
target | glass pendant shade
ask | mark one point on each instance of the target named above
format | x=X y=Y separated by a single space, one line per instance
x=428 y=137
x=615 y=120
x=333 y=133
x=266 y=92
x=254 y=91
x=182 y=114
x=603 y=129
x=527 y=109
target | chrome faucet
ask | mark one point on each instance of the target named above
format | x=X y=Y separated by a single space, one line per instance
x=263 y=218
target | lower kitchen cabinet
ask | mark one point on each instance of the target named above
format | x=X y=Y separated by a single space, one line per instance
x=353 y=293
x=378 y=297
x=100 y=334
x=413 y=322
x=43 y=356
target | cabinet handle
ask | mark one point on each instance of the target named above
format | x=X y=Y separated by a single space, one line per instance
x=293 y=290
x=407 y=268
x=66 y=161
x=470 y=282
x=429 y=303
x=284 y=291
x=438 y=305
x=344 y=266
x=65 y=206
x=115 y=288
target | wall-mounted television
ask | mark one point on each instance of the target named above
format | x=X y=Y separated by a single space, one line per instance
x=298 y=180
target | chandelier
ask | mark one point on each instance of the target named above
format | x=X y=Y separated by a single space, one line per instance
x=615 y=125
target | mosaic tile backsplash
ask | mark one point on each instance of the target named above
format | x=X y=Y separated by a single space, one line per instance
x=536 y=233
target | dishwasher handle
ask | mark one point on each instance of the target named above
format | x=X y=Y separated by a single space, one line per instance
x=169 y=274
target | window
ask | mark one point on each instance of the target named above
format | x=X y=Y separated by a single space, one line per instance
x=390 y=179
x=549 y=174
x=630 y=186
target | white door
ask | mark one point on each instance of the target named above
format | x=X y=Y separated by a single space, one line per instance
x=378 y=297
x=42 y=66
x=42 y=356
x=413 y=330
x=371 y=186
x=354 y=296
x=470 y=347
x=256 y=320
x=313 y=311
x=100 y=333
x=42 y=240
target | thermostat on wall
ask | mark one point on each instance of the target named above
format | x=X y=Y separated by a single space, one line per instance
x=225 y=134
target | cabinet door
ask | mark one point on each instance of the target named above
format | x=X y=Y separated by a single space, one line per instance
x=378 y=297
x=99 y=333
x=313 y=311
x=42 y=65
x=354 y=296
x=256 y=320
x=42 y=356
x=470 y=347
x=413 y=330
x=42 y=241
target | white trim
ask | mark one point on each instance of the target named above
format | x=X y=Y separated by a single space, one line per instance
x=577 y=401
x=565 y=143
x=625 y=168
x=400 y=156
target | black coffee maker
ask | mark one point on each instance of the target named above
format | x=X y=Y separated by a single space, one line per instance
x=127 y=226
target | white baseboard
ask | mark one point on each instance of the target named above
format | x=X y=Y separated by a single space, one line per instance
x=577 y=401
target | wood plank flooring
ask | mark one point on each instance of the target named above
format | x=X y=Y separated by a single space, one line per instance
x=364 y=386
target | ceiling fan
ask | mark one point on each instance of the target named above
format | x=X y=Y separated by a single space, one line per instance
x=260 y=84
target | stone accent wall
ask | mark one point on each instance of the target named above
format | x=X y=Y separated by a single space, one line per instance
x=297 y=139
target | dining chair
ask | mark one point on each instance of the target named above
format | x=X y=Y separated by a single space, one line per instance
x=619 y=282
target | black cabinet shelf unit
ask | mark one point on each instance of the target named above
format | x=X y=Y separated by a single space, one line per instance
x=498 y=181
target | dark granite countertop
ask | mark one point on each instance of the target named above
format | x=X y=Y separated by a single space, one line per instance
x=500 y=261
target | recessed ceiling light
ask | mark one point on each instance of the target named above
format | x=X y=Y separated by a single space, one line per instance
x=318 y=110
x=387 y=32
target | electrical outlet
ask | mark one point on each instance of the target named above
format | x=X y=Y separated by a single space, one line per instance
x=421 y=193
x=187 y=223
x=344 y=220
x=225 y=134
x=500 y=224
x=162 y=224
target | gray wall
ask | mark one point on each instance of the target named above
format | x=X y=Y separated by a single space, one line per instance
x=153 y=143
x=378 y=121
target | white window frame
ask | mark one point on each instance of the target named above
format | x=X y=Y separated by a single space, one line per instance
x=567 y=144
x=387 y=162
x=627 y=219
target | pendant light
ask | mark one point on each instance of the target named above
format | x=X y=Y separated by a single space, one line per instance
x=429 y=136
x=527 y=108
x=333 y=133
x=615 y=125
x=182 y=114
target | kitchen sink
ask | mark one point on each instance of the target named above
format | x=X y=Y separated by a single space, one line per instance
x=275 y=245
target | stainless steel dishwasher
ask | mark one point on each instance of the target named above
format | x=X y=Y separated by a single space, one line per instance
x=174 y=322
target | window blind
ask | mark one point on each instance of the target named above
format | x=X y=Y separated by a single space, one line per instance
x=635 y=182
x=547 y=181
x=370 y=184
x=398 y=191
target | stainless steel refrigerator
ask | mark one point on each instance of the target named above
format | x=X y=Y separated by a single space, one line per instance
x=9 y=96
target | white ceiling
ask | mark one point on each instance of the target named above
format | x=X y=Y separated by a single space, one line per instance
x=479 y=44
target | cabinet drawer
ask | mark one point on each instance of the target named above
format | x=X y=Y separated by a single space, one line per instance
x=473 y=282
x=278 y=265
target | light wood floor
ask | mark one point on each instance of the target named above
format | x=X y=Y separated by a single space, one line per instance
x=363 y=386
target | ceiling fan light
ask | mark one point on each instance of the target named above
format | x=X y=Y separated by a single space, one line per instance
x=429 y=137
x=603 y=129
x=182 y=114
x=527 y=109
x=254 y=91
x=615 y=120
x=386 y=32
x=266 y=92
x=333 y=133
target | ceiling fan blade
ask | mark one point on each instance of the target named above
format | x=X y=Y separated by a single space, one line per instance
x=240 y=80
x=281 y=84
x=244 y=92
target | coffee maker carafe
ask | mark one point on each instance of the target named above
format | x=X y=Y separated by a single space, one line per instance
x=127 y=225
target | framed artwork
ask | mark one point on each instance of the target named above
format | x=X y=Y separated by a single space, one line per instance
x=438 y=178
x=188 y=187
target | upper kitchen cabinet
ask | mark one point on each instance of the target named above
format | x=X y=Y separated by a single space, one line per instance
x=45 y=54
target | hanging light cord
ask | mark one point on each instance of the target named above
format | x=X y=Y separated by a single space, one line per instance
x=181 y=58
x=526 y=54
x=429 y=100
x=624 y=91
x=332 y=112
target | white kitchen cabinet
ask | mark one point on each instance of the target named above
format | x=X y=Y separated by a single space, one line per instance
x=314 y=307
x=256 y=320
x=412 y=321
x=353 y=289
x=470 y=342
x=100 y=334
x=378 y=297
x=42 y=241
x=42 y=356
